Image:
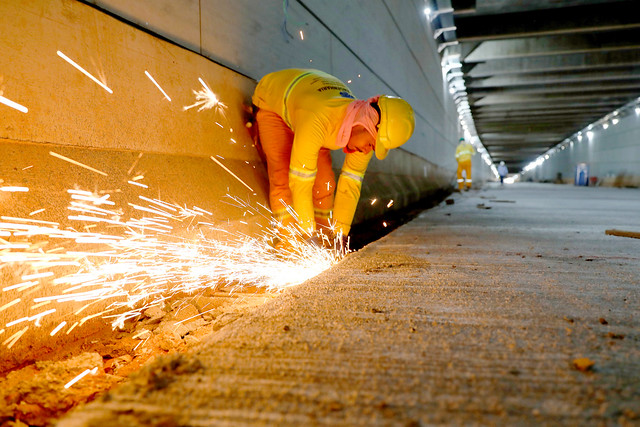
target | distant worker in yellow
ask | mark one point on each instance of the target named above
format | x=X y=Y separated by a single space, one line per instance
x=302 y=115
x=464 y=153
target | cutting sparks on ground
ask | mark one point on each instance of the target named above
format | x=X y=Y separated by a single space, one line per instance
x=119 y=267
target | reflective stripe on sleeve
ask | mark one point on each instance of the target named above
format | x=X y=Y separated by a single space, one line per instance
x=352 y=175
x=302 y=174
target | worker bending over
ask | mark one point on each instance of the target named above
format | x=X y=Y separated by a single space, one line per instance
x=464 y=152
x=302 y=115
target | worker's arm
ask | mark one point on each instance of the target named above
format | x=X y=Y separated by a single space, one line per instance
x=302 y=172
x=348 y=190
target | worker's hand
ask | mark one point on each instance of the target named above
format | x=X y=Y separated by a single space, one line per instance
x=251 y=124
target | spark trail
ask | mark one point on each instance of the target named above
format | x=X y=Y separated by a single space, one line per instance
x=124 y=266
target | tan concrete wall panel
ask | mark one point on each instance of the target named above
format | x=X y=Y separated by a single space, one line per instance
x=66 y=107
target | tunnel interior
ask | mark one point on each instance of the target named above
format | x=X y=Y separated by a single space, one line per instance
x=126 y=164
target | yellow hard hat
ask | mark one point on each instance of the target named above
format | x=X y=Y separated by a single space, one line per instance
x=396 y=124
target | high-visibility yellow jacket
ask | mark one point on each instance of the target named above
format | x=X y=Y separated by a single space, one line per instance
x=464 y=151
x=313 y=104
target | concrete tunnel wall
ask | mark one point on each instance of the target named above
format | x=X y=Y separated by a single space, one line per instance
x=376 y=46
x=135 y=131
x=612 y=156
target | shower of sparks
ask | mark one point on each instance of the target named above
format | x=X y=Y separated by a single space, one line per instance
x=231 y=173
x=12 y=104
x=206 y=99
x=124 y=266
x=36 y=212
x=83 y=71
x=157 y=85
x=66 y=159
x=390 y=203
x=373 y=201
x=301 y=35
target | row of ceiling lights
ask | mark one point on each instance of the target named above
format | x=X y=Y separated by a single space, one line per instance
x=613 y=118
x=452 y=74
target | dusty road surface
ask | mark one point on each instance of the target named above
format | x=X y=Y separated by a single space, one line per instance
x=511 y=306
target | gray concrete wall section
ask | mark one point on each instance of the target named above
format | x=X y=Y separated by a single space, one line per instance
x=612 y=154
x=379 y=46
x=510 y=307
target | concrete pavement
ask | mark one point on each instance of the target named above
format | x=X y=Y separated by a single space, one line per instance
x=509 y=307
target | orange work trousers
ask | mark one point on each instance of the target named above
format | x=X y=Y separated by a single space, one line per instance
x=464 y=166
x=276 y=141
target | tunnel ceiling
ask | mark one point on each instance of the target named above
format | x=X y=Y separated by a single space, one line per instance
x=538 y=71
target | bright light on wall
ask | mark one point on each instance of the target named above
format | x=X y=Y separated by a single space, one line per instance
x=590 y=134
x=605 y=126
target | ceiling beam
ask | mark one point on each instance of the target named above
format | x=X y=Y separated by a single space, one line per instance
x=589 y=18
x=562 y=98
x=575 y=62
x=551 y=78
x=552 y=45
